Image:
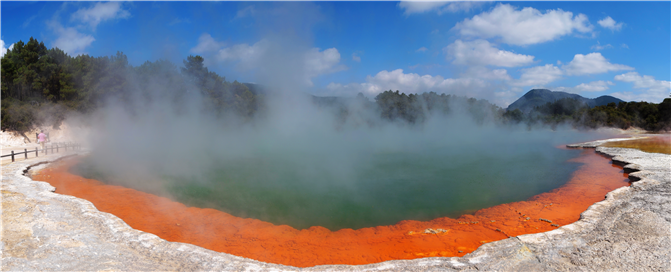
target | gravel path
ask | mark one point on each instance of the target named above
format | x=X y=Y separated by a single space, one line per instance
x=628 y=231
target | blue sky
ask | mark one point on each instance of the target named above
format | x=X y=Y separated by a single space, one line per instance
x=491 y=50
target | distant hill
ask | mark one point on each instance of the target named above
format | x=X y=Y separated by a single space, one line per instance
x=538 y=97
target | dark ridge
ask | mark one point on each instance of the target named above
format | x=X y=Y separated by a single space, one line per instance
x=604 y=100
x=539 y=97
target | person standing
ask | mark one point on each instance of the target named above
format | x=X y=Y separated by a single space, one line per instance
x=42 y=138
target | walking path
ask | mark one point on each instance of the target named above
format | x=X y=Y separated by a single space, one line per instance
x=17 y=149
x=31 y=152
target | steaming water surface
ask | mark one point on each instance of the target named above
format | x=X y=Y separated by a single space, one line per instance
x=391 y=188
x=359 y=179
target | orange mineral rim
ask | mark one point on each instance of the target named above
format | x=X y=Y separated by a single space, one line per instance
x=282 y=244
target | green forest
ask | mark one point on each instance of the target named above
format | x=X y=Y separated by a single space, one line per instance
x=40 y=86
x=414 y=108
x=648 y=116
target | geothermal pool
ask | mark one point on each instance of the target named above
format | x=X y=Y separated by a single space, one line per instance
x=282 y=244
x=436 y=222
x=420 y=184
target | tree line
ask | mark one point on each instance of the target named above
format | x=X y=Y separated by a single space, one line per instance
x=40 y=85
x=415 y=108
x=645 y=115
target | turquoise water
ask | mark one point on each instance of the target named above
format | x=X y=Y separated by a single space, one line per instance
x=364 y=188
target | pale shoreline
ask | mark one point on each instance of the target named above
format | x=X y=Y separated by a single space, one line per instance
x=44 y=231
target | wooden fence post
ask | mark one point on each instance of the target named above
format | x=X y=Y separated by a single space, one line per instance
x=12 y=156
x=25 y=153
x=57 y=147
x=35 y=151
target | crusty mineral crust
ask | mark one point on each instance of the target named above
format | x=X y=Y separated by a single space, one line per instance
x=628 y=231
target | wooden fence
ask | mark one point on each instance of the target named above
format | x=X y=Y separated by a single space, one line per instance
x=49 y=148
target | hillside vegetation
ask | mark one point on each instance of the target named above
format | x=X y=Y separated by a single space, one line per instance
x=648 y=116
x=40 y=85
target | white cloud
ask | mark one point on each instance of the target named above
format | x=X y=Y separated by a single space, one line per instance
x=322 y=62
x=413 y=83
x=651 y=90
x=356 y=58
x=422 y=49
x=3 y=50
x=478 y=82
x=625 y=46
x=100 y=12
x=595 y=86
x=416 y=7
x=593 y=63
x=598 y=46
x=523 y=27
x=411 y=7
x=480 y=72
x=460 y=6
x=247 y=56
x=247 y=11
x=303 y=65
x=70 y=40
x=643 y=81
x=538 y=75
x=609 y=23
x=654 y=97
x=206 y=44
x=481 y=52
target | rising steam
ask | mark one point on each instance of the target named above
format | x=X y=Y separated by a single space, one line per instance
x=153 y=141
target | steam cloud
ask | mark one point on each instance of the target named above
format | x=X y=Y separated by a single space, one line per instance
x=140 y=144
x=153 y=148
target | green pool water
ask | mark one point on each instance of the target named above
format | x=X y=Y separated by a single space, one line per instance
x=366 y=187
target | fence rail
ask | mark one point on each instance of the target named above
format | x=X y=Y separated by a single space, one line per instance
x=48 y=148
